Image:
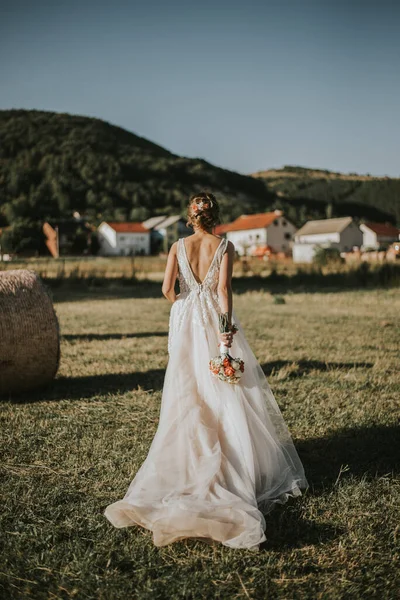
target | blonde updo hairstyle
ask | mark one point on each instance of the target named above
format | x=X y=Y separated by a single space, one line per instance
x=203 y=211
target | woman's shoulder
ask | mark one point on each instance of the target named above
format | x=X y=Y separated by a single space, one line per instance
x=174 y=248
x=227 y=248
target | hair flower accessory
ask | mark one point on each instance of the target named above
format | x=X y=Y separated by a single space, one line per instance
x=199 y=206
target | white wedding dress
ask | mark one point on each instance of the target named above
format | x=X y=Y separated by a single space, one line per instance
x=222 y=454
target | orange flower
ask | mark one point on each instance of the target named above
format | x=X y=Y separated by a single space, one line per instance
x=229 y=371
x=226 y=362
x=196 y=207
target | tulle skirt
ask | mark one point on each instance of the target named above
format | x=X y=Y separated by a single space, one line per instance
x=222 y=455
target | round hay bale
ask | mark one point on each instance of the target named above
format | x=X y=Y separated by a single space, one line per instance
x=29 y=333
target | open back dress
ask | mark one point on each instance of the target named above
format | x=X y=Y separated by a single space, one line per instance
x=222 y=455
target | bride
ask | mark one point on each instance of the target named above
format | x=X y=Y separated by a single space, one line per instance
x=222 y=455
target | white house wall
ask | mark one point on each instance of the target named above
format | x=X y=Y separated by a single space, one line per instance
x=133 y=243
x=303 y=253
x=122 y=244
x=369 y=238
x=108 y=240
x=246 y=240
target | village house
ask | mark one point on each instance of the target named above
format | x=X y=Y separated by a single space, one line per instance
x=342 y=233
x=123 y=239
x=376 y=235
x=164 y=231
x=262 y=232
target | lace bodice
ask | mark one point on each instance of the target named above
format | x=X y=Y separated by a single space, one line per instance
x=201 y=299
x=187 y=280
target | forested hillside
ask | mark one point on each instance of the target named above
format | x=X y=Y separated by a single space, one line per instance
x=363 y=196
x=53 y=164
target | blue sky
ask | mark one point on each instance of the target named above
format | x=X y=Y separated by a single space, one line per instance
x=247 y=86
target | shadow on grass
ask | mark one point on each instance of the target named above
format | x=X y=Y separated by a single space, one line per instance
x=285 y=528
x=76 y=388
x=93 y=386
x=357 y=451
x=111 y=336
x=302 y=367
x=81 y=291
x=360 y=452
x=386 y=275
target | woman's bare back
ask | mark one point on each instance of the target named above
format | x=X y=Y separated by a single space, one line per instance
x=200 y=251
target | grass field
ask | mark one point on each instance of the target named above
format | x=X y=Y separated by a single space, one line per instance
x=332 y=362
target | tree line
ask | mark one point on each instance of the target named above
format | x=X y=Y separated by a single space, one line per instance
x=53 y=164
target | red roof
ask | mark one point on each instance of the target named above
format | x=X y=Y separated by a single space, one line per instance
x=384 y=229
x=258 y=221
x=128 y=227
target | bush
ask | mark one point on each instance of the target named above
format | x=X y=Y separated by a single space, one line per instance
x=363 y=274
x=23 y=236
x=327 y=256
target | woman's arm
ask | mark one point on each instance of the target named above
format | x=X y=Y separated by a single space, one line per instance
x=225 y=288
x=171 y=272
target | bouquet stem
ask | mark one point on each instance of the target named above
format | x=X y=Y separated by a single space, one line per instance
x=223 y=349
x=224 y=366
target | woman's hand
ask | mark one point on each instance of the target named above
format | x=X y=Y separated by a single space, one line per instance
x=226 y=338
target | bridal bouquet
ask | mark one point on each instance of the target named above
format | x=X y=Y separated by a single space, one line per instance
x=224 y=366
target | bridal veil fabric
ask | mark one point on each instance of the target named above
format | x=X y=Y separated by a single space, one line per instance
x=222 y=455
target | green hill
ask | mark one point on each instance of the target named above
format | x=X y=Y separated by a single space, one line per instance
x=363 y=196
x=53 y=164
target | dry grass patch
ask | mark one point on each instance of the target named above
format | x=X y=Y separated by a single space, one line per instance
x=70 y=451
